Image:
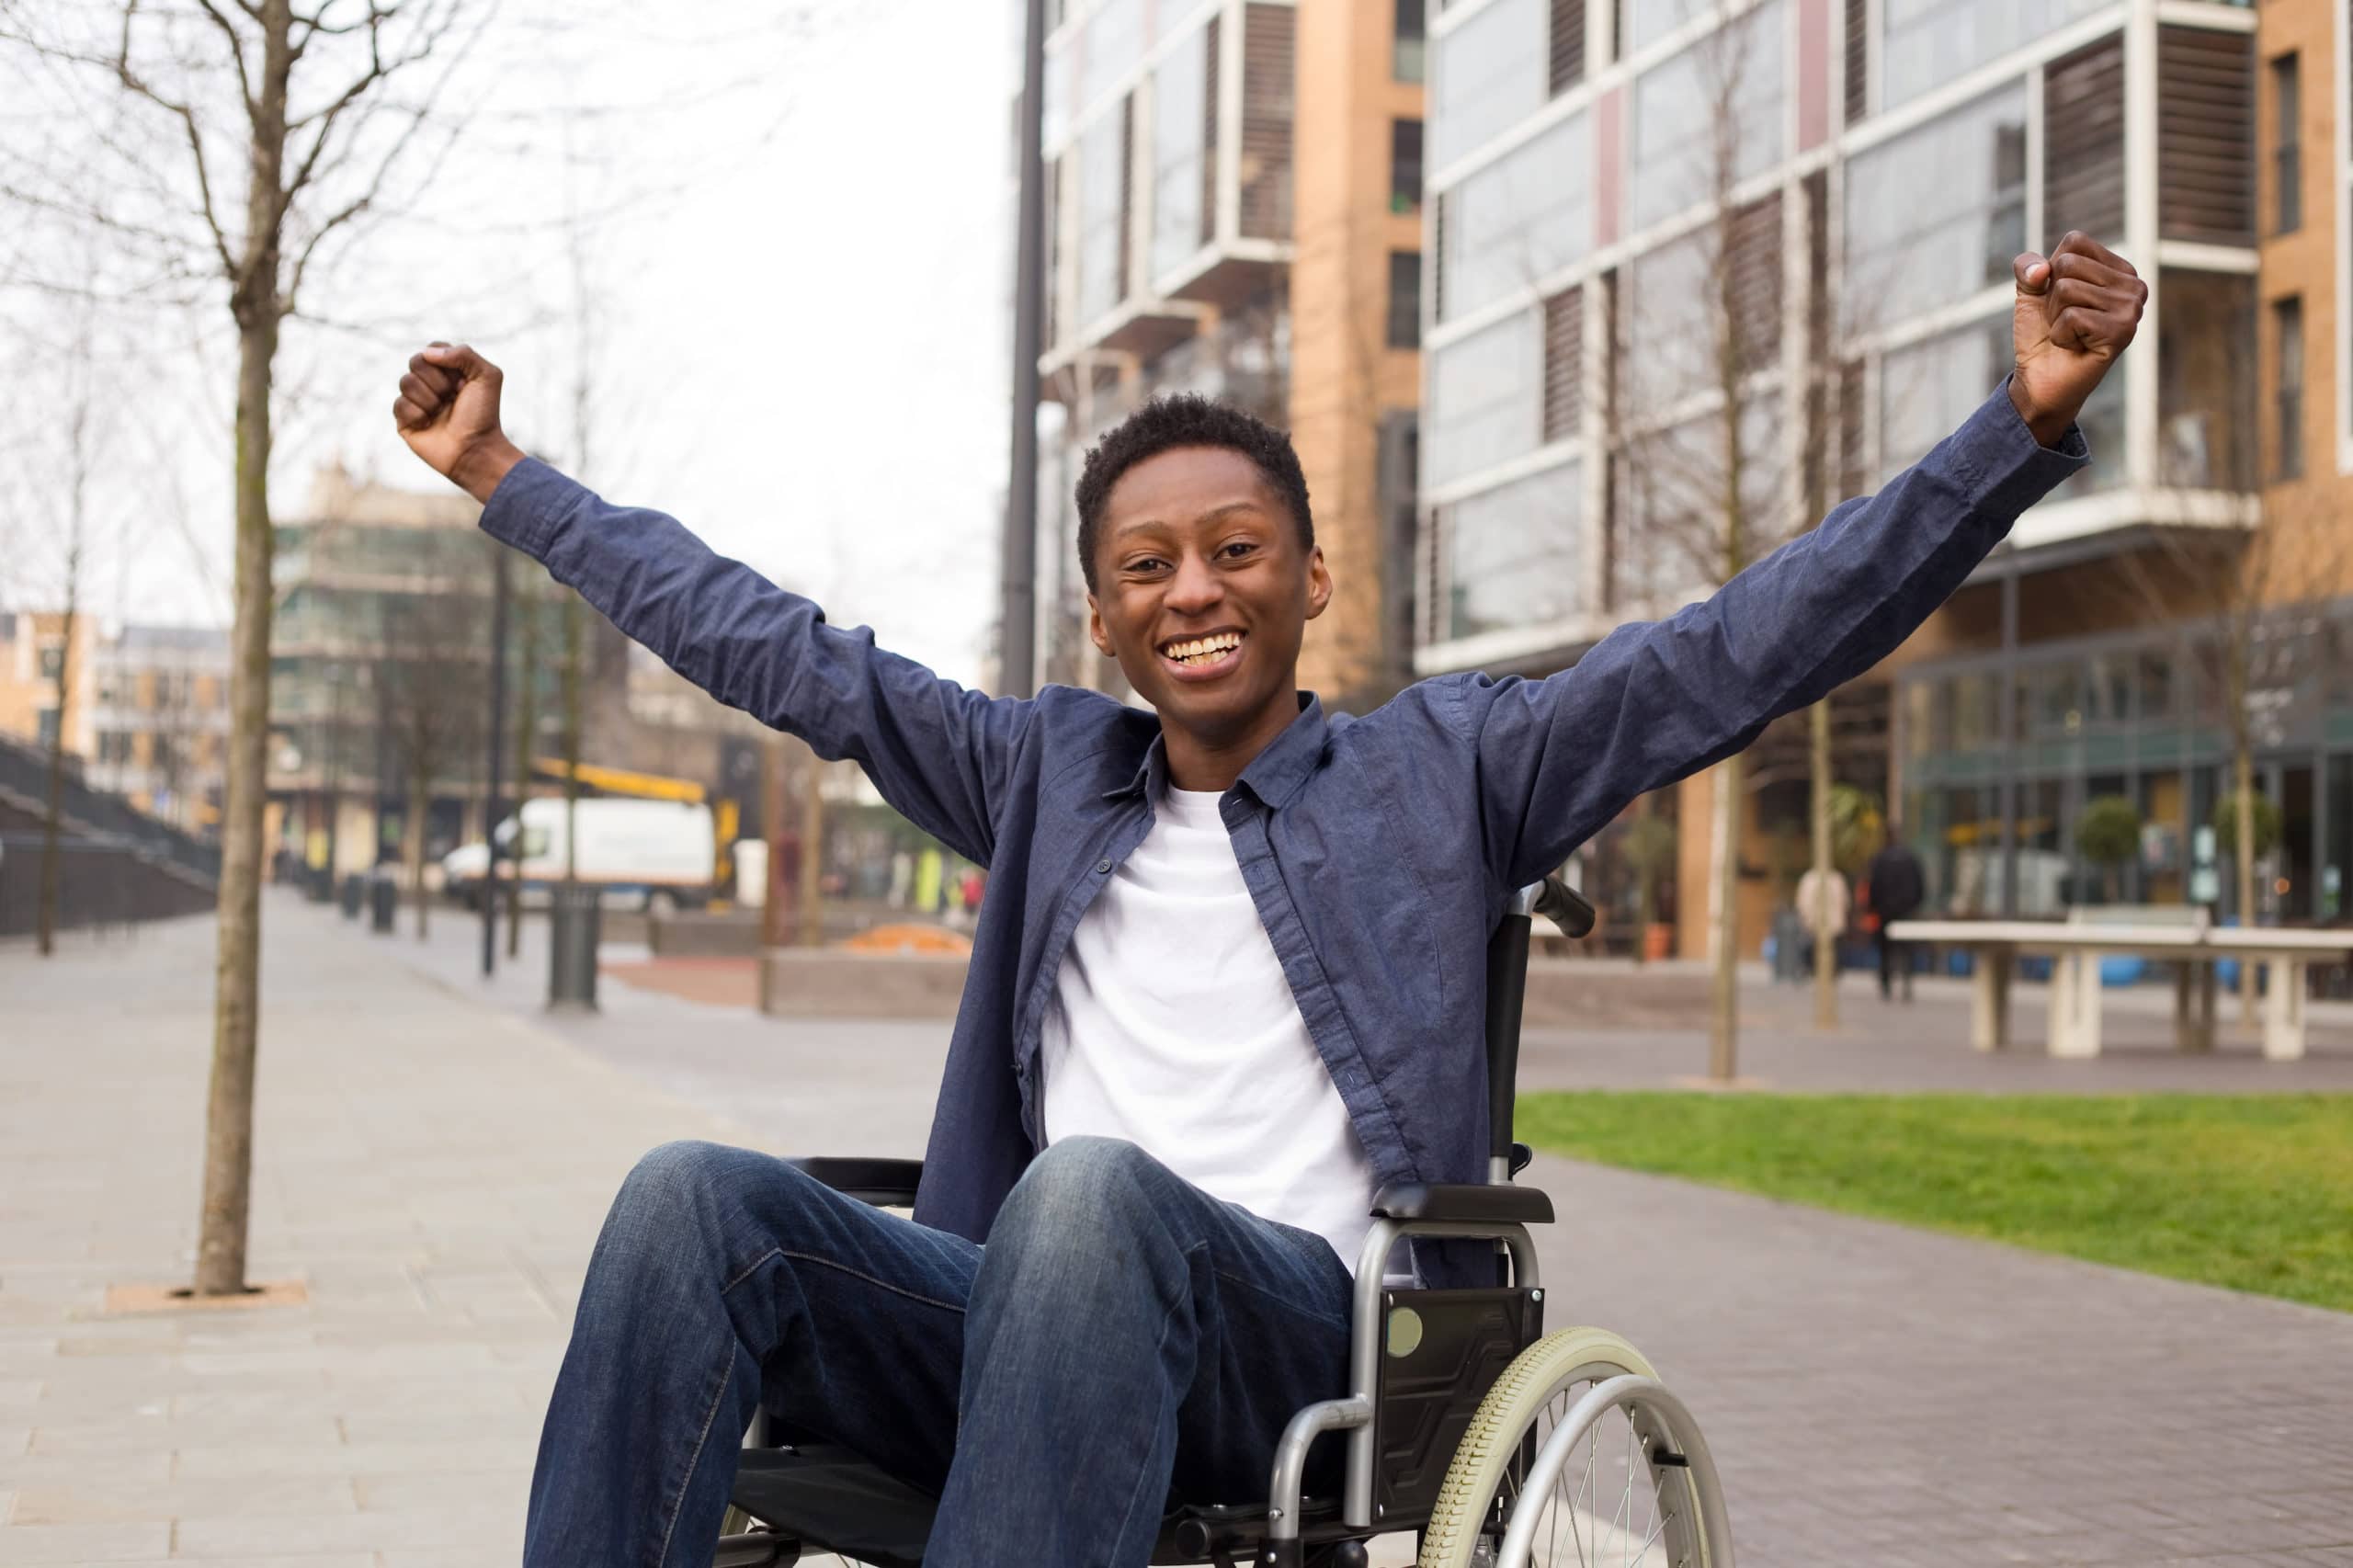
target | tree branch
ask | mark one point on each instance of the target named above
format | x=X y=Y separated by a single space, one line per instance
x=135 y=84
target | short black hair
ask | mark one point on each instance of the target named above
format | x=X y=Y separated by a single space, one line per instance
x=1186 y=419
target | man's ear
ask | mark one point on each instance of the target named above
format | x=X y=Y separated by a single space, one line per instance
x=1095 y=630
x=1319 y=583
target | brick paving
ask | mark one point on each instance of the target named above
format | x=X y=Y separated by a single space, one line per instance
x=435 y=1155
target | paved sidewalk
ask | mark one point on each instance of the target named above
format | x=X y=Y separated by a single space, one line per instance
x=434 y=1160
x=434 y=1170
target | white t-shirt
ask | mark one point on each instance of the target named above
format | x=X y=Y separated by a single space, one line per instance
x=1173 y=1028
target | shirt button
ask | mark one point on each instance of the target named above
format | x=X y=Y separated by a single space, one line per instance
x=1102 y=867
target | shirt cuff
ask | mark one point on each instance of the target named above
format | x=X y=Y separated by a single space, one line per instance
x=2013 y=469
x=531 y=507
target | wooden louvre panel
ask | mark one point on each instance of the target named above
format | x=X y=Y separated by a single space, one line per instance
x=1430 y=601
x=1753 y=249
x=1210 y=42
x=1127 y=194
x=1268 y=69
x=1052 y=212
x=1818 y=321
x=1858 y=60
x=1564 y=364
x=1567 y=44
x=2206 y=135
x=2083 y=142
x=1854 y=474
x=1435 y=276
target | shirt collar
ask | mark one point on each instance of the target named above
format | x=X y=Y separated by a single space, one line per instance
x=1274 y=776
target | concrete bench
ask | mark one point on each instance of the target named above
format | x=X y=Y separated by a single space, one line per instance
x=2165 y=935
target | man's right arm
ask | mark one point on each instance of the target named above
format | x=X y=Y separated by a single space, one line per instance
x=940 y=754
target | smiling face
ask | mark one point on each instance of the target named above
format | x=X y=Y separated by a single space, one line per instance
x=1203 y=591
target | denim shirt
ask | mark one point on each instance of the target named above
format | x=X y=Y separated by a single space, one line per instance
x=1380 y=850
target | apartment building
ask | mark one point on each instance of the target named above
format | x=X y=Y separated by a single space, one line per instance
x=161 y=722
x=1233 y=193
x=1683 y=250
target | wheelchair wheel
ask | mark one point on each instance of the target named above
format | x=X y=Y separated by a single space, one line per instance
x=1579 y=1455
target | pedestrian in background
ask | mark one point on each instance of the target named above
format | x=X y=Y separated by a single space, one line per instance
x=1896 y=888
x=1822 y=904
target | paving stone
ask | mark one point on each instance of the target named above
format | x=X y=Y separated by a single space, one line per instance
x=22 y=1546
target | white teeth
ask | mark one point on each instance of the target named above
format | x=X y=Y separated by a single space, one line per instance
x=1203 y=647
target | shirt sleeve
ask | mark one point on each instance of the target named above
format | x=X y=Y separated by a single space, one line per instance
x=938 y=753
x=1655 y=701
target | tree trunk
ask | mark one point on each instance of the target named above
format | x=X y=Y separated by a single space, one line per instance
x=1825 y=954
x=52 y=815
x=1723 y=911
x=2242 y=783
x=228 y=1117
x=420 y=801
x=813 y=845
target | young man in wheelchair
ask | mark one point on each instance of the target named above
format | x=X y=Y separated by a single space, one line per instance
x=1226 y=984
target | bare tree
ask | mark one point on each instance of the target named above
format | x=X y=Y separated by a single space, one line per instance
x=1708 y=479
x=2245 y=594
x=81 y=436
x=320 y=104
x=432 y=676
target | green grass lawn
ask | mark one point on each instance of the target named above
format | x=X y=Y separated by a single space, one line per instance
x=2251 y=1192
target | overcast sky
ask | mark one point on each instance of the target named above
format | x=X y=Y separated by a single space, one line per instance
x=793 y=239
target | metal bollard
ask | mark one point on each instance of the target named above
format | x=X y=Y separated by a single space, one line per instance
x=384 y=903
x=576 y=924
x=355 y=894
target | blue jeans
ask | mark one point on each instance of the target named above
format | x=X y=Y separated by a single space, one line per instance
x=1123 y=1339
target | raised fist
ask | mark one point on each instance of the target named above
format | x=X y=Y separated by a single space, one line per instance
x=448 y=412
x=2074 y=314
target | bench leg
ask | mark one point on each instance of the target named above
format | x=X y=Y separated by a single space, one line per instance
x=2074 y=1005
x=1989 y=1002
x=2283 y=1011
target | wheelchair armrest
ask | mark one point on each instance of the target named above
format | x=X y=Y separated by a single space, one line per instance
x=886 y=1184
x=1465 y=1203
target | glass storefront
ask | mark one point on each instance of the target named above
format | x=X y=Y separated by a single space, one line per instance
x=2140 y=716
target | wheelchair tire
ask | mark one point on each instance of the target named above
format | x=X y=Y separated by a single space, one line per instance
x=1621 y=1463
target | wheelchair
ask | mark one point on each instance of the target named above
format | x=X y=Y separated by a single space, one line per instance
x=1497 y=1444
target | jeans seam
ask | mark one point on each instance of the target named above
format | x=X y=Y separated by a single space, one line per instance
x=754 y=1264
x=694 y=1459
x=1291 y=1307
x=1128 y=1513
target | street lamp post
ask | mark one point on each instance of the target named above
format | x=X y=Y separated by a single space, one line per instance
x=498 y=731
x=1019 y=633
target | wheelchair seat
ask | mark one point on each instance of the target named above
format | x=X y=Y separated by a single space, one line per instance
x=818 y=1493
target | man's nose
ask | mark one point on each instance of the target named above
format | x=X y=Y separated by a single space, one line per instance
x=1196 y=586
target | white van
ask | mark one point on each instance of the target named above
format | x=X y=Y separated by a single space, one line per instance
x=653 y=854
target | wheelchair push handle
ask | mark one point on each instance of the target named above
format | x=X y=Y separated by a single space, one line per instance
x=1564 y=906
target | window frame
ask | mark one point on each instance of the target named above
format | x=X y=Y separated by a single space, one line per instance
x=2287 y=143
x=1402 y=200
x=2287 y=390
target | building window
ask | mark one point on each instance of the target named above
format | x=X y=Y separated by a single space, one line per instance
x=2288 y=326
x=1405 y=165
x=1567 y=41
x=1407 y=58
x=47 y=730
x=52 y=660
x=1404 y=299
x=2287 y=149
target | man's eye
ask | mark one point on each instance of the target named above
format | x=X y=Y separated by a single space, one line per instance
x=1238 y=547
x=1150 y=562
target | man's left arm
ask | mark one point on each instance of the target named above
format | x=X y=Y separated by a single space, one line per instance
x=1653 y=702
